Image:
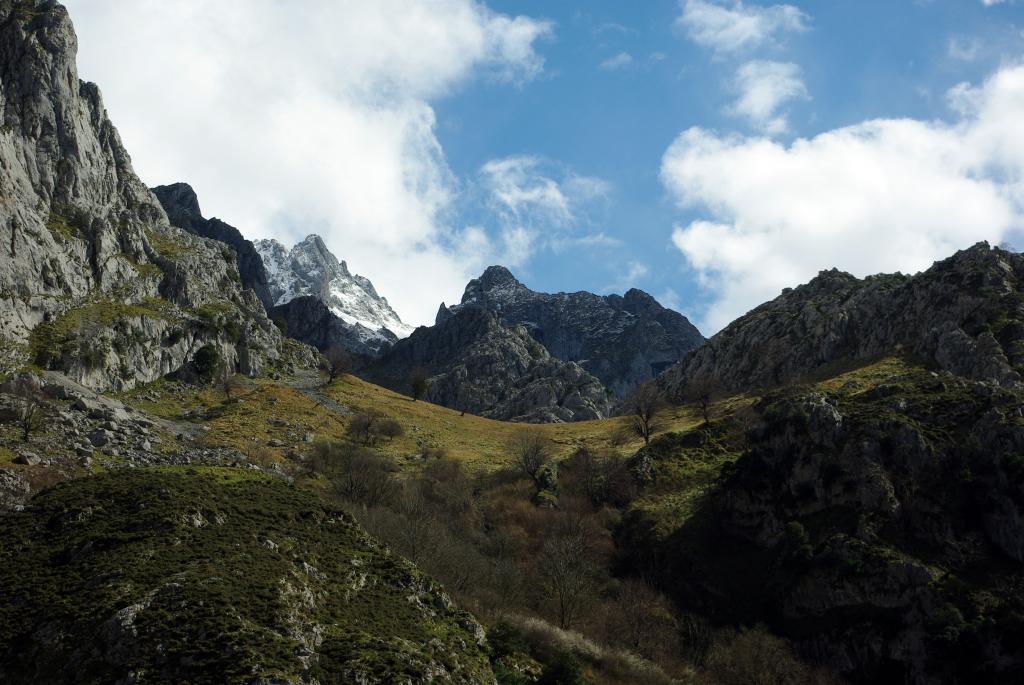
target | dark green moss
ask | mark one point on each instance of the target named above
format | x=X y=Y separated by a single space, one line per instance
x=220 y=576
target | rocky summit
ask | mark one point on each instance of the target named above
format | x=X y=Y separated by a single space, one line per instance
x=621 y=340
x=476 y=363
x=182 y=207
x=95 y=281
x=367 y=322
x=965 y=314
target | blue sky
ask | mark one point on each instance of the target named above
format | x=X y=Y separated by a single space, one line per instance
x=710 y=152
x=859 y=60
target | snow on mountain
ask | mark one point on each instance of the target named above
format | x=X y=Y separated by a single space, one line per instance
x=309 y=268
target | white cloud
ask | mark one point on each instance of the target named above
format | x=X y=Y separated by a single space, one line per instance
x=292 y=118
x=736 y=26
x=537 y=203
x=765 y=87
x=989 y=3
x=619 y=61
x=881 y=196
x=591 y=241
x=963 y=49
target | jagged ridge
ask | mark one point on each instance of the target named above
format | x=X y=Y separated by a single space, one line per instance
x=479 y=365
x=622 y=340
x=310 y=269
x=965 y=314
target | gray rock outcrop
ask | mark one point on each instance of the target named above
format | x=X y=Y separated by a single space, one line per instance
x=479 y=365
x=621 y=340
x=309 y=319
x=965 y=314
x=182 y=206
x=95 y=282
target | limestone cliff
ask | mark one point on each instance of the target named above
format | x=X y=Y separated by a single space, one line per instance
x=95 y=282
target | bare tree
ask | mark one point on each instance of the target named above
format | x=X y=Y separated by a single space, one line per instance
x=226 y=380
x=641 y=618
x=28 y=411
x=531 y=452
x=419 y=381
x=645 y=407
x=337 y=362
x=30 y=416
x=703 y=392
x=600 y=476
x=389 y=428
x=362 y=427
x=357 y=474
x=568 y=573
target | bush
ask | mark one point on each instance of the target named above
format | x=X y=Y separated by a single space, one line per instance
x=357 y=474
x=367 y=427
x=390 y=429
x=207 y=362
x=562 y=669
x=756 y=656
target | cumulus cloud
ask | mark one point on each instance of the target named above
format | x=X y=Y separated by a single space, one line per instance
x=764 y=87
x=290 y=119
x=736 y=26
x=881 y=196
x=619 y=61
x=537 y=203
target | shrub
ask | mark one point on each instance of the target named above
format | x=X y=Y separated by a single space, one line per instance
x=207 y=362
x=756 y=656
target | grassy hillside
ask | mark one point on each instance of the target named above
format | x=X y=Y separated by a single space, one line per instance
x=214 y=575
x=268 y=411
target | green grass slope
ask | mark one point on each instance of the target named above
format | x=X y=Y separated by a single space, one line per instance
x=170 y=575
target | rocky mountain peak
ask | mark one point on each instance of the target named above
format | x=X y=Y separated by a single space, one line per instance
x=478 y=363
x=964 y=314
x=622 y=340
x=180 y=202
x=310 y=269
x=494 y=286
x=182 y=198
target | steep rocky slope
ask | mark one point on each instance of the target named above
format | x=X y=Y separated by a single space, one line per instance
x=622 y=340
x=877 y=520
x=965 y=314
x=95 y=282
x=216 y=576
x=182 y=207
x=309 y=269
x=479 y=365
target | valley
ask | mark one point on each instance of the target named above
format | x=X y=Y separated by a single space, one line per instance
x=232 y=461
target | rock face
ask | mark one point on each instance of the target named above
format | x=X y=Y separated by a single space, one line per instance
x=94 y=280
x=216 y=576
x=870 y=525
x=310 y=270
x=622 y=340
x=182 y=207
x=479 y=365
x=965 y=314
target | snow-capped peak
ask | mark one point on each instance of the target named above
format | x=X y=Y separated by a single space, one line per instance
x=309 y=268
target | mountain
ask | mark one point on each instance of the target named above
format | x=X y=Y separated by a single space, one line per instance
x=216 y=576
x=622 y=340
x=95 y=281
x=478 y=364
x=182 y=207
x=873 y=518
x=965 y=314
x=309 y=269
